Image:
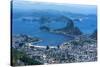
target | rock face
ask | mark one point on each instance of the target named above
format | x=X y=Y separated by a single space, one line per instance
x=94 y=35
x=44 y=28
x=44 y=19
x=70 y=29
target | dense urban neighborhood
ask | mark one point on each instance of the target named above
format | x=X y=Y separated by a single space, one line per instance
x=81 y=49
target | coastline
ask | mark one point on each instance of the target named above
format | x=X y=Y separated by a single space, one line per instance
x=38 y=46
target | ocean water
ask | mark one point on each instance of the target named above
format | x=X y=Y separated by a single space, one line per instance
x=33 y=29
x=23 y=21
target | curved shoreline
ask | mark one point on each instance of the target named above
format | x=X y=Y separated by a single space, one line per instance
x=37 y=46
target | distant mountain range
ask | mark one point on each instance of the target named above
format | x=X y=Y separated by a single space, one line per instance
x=23 y=6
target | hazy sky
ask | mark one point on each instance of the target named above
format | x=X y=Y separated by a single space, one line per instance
x=74 y=8
x=90 y=2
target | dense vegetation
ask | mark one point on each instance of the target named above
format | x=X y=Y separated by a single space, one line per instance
x=94 y=35
x=20 y=58
x=70 y=29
